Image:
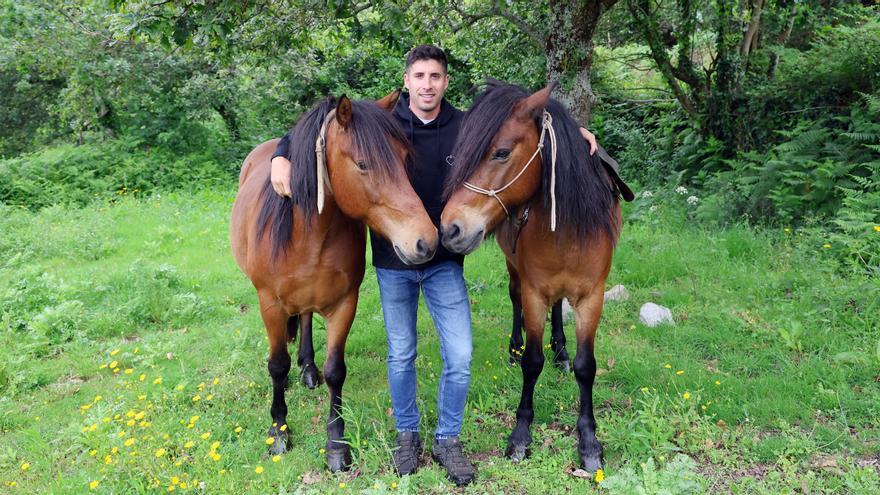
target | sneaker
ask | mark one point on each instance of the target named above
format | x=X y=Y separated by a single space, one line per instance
x=448 y=453
x=406 y=455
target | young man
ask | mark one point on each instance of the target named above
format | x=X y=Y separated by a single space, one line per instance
x=432 y=125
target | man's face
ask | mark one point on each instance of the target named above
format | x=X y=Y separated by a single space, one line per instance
x=426 y=81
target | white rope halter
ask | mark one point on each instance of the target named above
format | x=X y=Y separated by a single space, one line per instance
x=321 y=162
x=546 y=128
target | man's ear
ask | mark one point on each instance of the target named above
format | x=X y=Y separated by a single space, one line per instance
x=343 y=112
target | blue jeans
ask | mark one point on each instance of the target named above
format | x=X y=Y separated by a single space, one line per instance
x=447 y=301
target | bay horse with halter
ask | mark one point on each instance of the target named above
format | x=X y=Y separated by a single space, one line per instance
x=306 y=253
x=523 y=172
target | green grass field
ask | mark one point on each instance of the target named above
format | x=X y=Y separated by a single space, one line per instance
x=133 y=360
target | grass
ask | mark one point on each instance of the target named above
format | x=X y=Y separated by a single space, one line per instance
x=133 y=360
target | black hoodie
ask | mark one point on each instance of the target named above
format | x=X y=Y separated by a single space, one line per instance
x=432 y=145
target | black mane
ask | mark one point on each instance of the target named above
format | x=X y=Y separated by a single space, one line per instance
x=372 y=131
x=584 y=197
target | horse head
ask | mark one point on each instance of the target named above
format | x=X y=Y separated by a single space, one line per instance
x=366 y=153
x=493 y=172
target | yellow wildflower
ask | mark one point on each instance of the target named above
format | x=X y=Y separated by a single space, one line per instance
x=25 y=466
x=600 y=476
x=270 y=441
x=113 y=364
x=142 y=377
x=129 y=371
x=206 y=435
x=129 y=442
x=341 y=484
x=259 y=469
x=160 y=452
x=238 y=429
x=667 y=366
x=276 y=458
x=826 y=246
x=686 y=395
x=93 y=485
x=215 y=445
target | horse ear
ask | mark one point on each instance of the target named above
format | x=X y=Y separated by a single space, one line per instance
x=389 y=100
x=343 y=112
x=530 y=108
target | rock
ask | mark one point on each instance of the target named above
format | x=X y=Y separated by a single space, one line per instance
x=567 y=311
x=616 y=293
x=652 y=315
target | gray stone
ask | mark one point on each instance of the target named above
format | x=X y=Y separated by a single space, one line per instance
x=567 y=311
x=617 y=293
x=653 y=314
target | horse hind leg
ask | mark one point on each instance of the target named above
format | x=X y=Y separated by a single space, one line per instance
x=534 y=314
x=338 y=453
x=305 y=359
x=275 y=319
x=557 y=338
x=589 y=311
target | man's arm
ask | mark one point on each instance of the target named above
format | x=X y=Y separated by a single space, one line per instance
x=280 y=174
x=591 y=138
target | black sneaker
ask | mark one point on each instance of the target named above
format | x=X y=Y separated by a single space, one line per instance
x=406 y=455
x=448 y=453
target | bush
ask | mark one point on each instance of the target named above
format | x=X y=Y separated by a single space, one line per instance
x=77 y=175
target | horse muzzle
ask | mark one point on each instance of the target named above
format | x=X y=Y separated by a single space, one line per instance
x=422 y=252
x=457 y=240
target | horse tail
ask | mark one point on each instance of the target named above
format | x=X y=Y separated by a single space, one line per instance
x=292 y=325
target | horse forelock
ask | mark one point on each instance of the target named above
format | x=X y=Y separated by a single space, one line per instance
x=584 y=198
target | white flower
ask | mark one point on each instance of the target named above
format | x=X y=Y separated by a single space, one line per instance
x=692 y=200
x=681 y=190
x=653 y=208
x=647 y=194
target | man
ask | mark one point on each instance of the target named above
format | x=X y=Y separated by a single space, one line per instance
x=432 y=125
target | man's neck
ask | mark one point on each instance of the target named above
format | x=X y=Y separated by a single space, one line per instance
x=425 y=116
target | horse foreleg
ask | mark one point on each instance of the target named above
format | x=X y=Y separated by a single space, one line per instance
x=516 y=346
x=589 y=311
x=534 y=313
x=275 y=319
x=557 y=338
x=306 y=356
x=338 y=325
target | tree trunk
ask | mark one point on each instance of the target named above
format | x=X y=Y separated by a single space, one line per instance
x=569 y=50
x=231 y=121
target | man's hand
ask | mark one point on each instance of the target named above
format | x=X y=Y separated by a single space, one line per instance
x=280 y=176
x=585 y=133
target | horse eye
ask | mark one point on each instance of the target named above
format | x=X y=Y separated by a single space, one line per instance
x=361 y=164
x=501 y=154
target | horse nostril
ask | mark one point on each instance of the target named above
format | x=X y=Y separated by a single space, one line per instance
x=420 y=247
x=453 y=231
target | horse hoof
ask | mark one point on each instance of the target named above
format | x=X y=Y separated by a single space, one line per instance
x=517 y=453
x=339 y=459
x=310 y=377
x=591 y=463
x=279 y=445
x=564 y=365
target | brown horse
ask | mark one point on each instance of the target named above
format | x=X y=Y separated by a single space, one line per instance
x=306 y=254
x=526 y=175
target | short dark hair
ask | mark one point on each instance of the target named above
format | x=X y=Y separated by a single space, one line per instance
x=426 y=52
